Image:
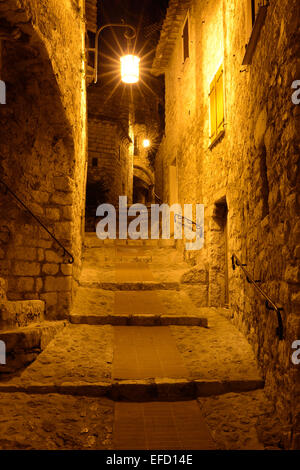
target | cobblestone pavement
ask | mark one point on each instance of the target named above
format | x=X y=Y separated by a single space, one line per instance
x=241 y=421
x=55 y=422
x=217 y=352
x=77 y=354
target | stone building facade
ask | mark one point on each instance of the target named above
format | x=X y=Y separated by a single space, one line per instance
x=110 y=148
x=110 y=158
x=231 y=142
x=42 y=148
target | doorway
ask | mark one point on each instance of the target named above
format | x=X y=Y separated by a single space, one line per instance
x=219 y=283
x=173 y=192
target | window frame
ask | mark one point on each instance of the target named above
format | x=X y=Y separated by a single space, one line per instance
x=219 y=127
x=256 y=11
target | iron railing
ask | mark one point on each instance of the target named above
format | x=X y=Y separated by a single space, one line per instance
x=270 y=305
x=189 y=221
x=14 y=196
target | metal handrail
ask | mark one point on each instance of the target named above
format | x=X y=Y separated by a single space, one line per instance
x=65 y=251
x=182 y=218
x=270 y=305
x=157 y=197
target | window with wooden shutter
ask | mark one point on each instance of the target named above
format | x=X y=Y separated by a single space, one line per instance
x=217 y=114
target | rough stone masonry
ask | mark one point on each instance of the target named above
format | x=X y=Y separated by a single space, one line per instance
x=249 y=178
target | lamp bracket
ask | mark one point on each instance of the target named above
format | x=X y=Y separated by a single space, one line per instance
x=95 y=50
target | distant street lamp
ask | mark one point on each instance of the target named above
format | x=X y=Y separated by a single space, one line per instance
x=130 y=64
x=146 y=143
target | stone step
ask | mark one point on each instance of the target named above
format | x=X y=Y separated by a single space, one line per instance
x=157 y=389
x=142 y=364
x=20 y=313
x=131 y=285
x=92 y=241
x=24 y=344
x=138 y=320
x=126 y=304
x=129 y=259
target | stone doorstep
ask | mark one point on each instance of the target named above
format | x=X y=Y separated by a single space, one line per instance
x=139 y=320
x=131 y=286
x=160 y=389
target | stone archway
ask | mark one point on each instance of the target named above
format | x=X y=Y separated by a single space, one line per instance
x=143 y=184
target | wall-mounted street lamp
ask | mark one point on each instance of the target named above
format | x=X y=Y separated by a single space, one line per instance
x=130 y=68
x=130 y=64
x=146 y=143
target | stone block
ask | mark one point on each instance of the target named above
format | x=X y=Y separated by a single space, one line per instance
x=62 y=199
x=25 y=253
x=25 y=284
x=50 y=269
x=53 y=256
x=27 y=269
x=58 y=284
x=63 y=183
x=53 y=214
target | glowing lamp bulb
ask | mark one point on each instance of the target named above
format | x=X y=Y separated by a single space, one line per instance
x=130 y=68
x=146 y=143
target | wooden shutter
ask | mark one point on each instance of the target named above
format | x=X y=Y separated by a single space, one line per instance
x=220 y=101
x=213 y=117
x=217 y=114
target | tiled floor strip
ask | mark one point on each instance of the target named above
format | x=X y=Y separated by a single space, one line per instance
x=143 y=303
x=160 y=426
x=146 y=352
x=133 y=272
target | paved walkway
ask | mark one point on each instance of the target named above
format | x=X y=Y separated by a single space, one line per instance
x=135 y=272
x=143 y=353
x=159 y=371
x=161 y=426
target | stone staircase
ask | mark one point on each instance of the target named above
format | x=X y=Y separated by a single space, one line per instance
x=113 y=304
x=137 y=338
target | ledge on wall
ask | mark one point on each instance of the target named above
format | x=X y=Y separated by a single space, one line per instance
x=259 y=22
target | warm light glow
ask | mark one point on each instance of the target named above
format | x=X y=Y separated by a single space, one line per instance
x=130 y=68
x=146 y=143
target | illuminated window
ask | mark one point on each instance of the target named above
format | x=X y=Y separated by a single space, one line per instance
x=217 y=114
x=186 y=40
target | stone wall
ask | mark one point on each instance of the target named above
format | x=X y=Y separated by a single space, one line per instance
x=110 y=160
x=252 y=170
x=43 y=148
x=110 y=142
